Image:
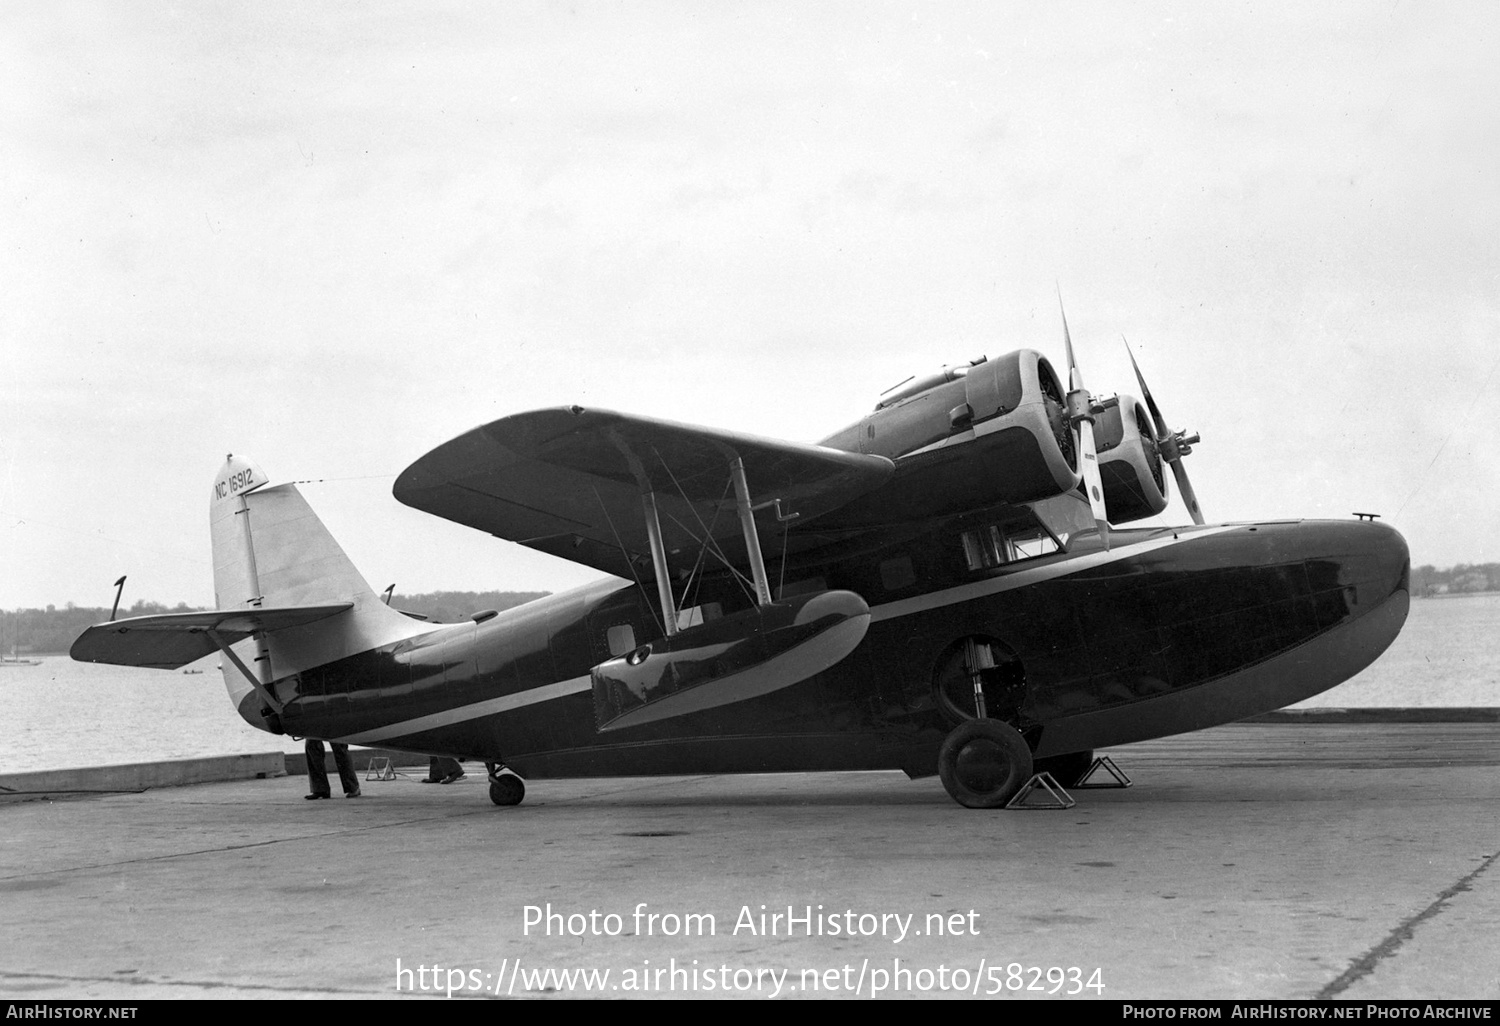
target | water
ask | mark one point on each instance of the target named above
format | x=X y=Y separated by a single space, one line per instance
x=1448 y=654
x=63 y=714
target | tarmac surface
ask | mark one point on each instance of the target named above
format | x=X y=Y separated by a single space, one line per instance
x=1294 y=861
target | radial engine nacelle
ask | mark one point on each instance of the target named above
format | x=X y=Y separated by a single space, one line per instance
x=1130 y=463
x=1017 y=402
x=1011 y=407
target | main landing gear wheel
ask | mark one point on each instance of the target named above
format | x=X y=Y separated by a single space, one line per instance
x=506 y=788
x=1065 y=769
x=983 y=763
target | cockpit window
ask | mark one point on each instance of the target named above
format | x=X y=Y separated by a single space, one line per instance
x=998 y=544
x=1032 y=543
x=1064 y=515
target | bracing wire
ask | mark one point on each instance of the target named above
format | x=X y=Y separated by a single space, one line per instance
x=707 y=531
x=631 y=563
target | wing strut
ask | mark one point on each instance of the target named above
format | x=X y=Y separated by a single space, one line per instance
x=747 y=525
x=260 y=689
x=659 y=562
x=752 y=536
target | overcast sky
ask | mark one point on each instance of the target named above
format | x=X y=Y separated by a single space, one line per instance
x=331 y=236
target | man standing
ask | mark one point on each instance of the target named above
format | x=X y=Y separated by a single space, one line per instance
x=317 y=773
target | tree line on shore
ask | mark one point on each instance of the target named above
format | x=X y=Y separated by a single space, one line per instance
x=1464 y=578
x=53 y=630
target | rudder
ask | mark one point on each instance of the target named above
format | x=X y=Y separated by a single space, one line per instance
x=271 y=550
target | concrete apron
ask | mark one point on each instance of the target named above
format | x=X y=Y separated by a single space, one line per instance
x=1260 y=861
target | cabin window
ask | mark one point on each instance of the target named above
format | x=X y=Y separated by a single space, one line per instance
x=897 y=573
x=620 y=639
x=985 y=548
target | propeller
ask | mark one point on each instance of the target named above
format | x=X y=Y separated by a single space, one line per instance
x=1081 y=416
x=1173 y=445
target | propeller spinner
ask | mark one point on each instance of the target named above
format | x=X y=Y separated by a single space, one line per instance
x=1081 y=415
x=1173 y=445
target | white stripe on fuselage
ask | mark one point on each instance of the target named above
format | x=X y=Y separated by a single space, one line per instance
x=904 y=607
x=488 y=707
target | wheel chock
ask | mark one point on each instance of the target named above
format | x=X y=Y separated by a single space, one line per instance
x=1107 y=764
x=380 y=768
x=1055 y=797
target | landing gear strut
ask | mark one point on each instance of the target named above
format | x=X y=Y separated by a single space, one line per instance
x=983 y=763
x=506 y=787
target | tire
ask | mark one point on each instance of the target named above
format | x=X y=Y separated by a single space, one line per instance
x=507 y=789
x=1065 y=769
x=983 y=763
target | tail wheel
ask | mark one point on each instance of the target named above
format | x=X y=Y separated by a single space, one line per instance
x=506 y=788
x=1065 y=769
x=983 y=763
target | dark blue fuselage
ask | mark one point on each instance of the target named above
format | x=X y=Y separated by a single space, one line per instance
x=1171 y=630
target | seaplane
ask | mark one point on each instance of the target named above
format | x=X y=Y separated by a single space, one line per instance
x=947 y=587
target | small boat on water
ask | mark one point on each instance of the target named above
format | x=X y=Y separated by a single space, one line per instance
x=14 y=658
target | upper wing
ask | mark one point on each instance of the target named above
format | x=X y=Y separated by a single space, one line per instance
x=569 y=481
x=170 y=640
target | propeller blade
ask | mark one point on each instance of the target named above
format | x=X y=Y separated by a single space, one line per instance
x=1092 y=483
x=1169 y=441
x=1185 y=489
x=1162 y=431
x=1080 y=411
x=1075 y=376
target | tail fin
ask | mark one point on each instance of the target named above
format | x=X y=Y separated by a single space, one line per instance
x=288 y=600
x=271 y=550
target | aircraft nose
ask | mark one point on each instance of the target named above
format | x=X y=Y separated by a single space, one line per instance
x=1352 y=568
x=1380 y=563
x=1394 y=556
x=1364 y=563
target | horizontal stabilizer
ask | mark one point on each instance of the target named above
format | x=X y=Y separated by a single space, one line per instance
x=171 y=640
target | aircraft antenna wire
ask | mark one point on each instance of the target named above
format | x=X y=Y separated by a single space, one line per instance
x=330 y=480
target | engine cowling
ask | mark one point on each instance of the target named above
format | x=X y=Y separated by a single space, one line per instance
x=1010 y=410
x=1130 y=463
